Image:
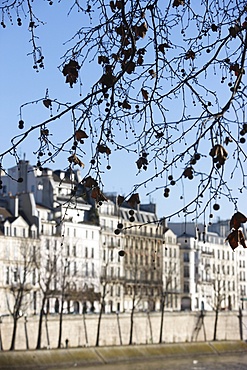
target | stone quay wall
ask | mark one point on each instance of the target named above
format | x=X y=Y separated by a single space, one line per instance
x=81 y=330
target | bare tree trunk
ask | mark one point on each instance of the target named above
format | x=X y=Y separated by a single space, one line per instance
x=215 y=323
x=162 y=319
x=47 y=332
x=119 y=330
x=41 y=314
x=100 y=315
x=1 y=341
x=134 y=304
x=60 y=325
x=16 y=316
x=203 y=325
x=240 y=317
x=132 y=318
x=12 y=346
x=26 y=332
x=98 y=327
x=85 y=329
x=131 y=325
x=150 y=326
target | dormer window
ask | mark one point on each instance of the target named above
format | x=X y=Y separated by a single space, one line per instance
x=40 y=186
x=6 y=230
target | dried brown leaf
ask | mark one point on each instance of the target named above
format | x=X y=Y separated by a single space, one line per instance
x=120 y=30
x=234 y=30
x=44 y=132
x=237 y=219
x=144 y=94
x=129 y=67
x=235 y=238
x=70 y=70
x=47 y=103
x=232 y=239
x=190 y=55
x=98 y=195
x=120 y=200
x=162 y=47
x=219 y=153
x=74 y=159
x=176 y=3
x=228 y=140
x=152 y=73
x=134 y=200
x=112 y=6
x=188 y=172
x=126 y=105
x=140 y=60
x=103 y=149
x=140 y=31
x=107 y=80
x=142 y=161
x=80 y=134
x=90 y=182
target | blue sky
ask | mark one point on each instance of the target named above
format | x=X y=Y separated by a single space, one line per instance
x=21 y=84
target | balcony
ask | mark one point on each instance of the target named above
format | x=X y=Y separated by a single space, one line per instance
x=207 y=253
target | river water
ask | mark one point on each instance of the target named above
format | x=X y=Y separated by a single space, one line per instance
x=215 y=362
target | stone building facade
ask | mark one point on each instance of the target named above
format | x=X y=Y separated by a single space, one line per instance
x=210 y=270
x=82 y=255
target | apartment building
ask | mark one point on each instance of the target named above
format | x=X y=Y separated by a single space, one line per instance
x=132 y=262
x=210 y=270
x=83 y=256
x=18 y=271
x=68 y=257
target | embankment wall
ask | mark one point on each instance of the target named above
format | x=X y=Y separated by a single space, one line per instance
x=81 y=331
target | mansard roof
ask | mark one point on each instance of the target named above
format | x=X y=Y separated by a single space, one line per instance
x=4 y=213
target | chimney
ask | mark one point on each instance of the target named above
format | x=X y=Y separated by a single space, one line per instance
x=22 y=173
x=14 y=205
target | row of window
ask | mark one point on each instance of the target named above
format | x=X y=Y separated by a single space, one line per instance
x=71 y=251
x=139 y=259
x=146 y=244
x=170 y=267
x=111 y=256
x=243 y=290
x=226 y=270
x=115 y=290
x=73 y=268
x=110 y=272
x=140 y=275
x=139 y=217
x=221 y=254
x=19 y=232
x=15 y=275
x=141 y=291
x=242 y=276
x=242 y=263
x=211 y=239
x=170 y=252
x=89 y=234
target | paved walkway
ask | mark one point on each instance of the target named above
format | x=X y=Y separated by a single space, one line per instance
x=225 y=362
